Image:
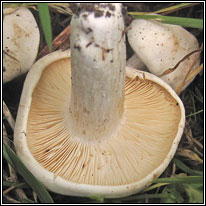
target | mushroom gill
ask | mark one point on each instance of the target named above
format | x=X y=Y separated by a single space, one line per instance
x=140 y=144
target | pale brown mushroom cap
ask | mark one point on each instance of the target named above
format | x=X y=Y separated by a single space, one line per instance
x=137 y=152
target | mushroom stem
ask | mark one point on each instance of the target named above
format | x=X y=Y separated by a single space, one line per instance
x=98 y=57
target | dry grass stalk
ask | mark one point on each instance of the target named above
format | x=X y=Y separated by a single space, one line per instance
x=8 y=115
x=191 y=73
x=13 y=176
x=189 y=154
x=63 y=8
x=11 y=200
x=60 y=42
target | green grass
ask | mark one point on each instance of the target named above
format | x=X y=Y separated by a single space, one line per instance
x=17 y=164
x=44 y=15
x=185 y=22
x=182 y=21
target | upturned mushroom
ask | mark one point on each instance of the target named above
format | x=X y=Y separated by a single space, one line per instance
x=20 y=42
x=86 y=125
x=161 y=48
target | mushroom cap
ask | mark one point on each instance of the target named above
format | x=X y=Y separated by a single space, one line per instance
x=20 y=42
x=161 y=46
x=139 y=151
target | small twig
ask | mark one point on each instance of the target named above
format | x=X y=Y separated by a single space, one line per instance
x=188 y=134
x=192 y=141
x=173 y=169
x=62 y=8
x=170 y=70
x=11 y=200
x=5 y=137
x=193 y=73
x=60 y=42
x=146 y=199
x=188 y=76
x=195 y=113
x=199 y=95
x=198 y=152
x=8 y=190
x=197 y=143
x=35 y=197
x=5 y=175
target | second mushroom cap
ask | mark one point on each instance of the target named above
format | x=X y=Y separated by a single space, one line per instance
x=21 y=39
x=161 y=47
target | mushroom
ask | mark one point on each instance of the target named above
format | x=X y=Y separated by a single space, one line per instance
x=135 y=63
x=86 y=125
x=163 y=47
x=20 y=42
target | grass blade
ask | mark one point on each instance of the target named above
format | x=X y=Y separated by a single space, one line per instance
x=180 y=180
x=195 y=193
x=26 y=200
x=139 y=197
x=175 y=7
x=182 y=21
x=97 y=198
x=185 y=168
x=15 y=184
x=152 y=187
x=44 y=15
x=6 y=156
x=15 y=5
x=37 y=186
x=193 y=114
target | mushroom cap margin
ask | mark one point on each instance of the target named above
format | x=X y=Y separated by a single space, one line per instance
x=58 y=184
